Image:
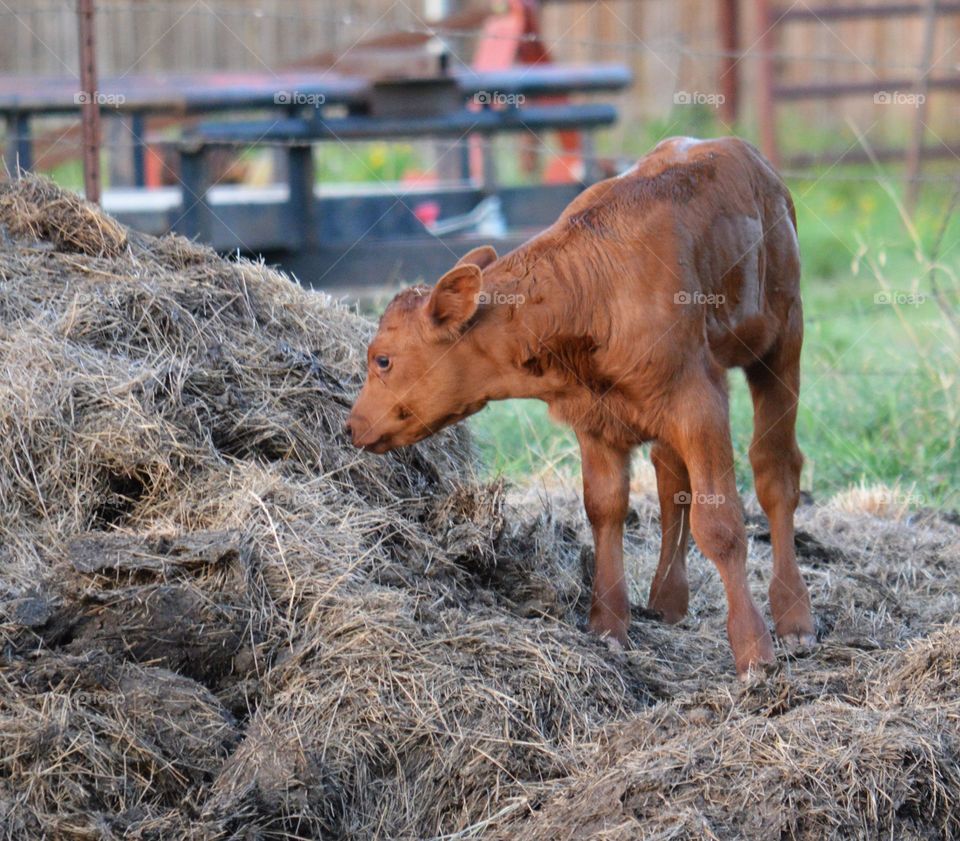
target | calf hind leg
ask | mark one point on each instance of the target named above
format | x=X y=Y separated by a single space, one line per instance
x=669 y=591
x=776 y=461
x=702 y=438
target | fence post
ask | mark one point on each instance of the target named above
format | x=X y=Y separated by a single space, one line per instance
x=921 y=90
x=767 y=116
x=90 y=106
x=728 y=13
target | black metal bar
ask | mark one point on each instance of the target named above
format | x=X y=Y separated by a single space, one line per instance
x=138 y=125
x=354 y=128
x=464 y=158
x=193 y=94
x=547 y=80
x=198 y=93
x=195 y=219
x=22 y=145
x=301 y=204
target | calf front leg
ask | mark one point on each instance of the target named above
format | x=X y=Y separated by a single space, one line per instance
x=606 y=489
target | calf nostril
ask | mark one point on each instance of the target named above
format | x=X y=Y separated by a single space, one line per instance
x=347 y=428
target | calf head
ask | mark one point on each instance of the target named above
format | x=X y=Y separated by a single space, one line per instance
x=421 y=373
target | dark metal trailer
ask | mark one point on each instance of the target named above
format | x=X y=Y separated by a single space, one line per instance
x=338 y=235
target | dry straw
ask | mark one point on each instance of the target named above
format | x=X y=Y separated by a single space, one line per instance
x=221 y=621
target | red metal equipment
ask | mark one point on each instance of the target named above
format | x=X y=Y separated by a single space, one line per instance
x=511 y=37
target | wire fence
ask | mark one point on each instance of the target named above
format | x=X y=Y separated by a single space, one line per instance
x=373 y=28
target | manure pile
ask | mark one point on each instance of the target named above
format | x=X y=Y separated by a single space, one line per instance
x=219 y=621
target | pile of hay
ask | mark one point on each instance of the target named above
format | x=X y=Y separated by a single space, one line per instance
x=219 y=620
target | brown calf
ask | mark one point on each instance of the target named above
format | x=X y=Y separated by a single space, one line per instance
x=623 y=317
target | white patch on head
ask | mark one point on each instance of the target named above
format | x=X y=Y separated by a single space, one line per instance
x=685 y=143
x=681 y=145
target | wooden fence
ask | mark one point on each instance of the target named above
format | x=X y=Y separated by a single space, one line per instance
x=672 y=46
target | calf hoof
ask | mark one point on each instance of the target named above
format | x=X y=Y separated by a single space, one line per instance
x=668 y=615
x=670 y=603
x=759 y=670
x=611 y=630
x=761 y=663
x=615 y=646
x=751 y=644
x=798 y=642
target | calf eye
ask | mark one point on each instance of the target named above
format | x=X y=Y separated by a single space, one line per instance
x=383 y=362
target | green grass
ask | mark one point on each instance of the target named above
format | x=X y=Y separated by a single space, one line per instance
x=880 y=399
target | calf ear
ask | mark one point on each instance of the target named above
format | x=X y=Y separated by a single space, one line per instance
x=481 y=256
x=455 y=297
